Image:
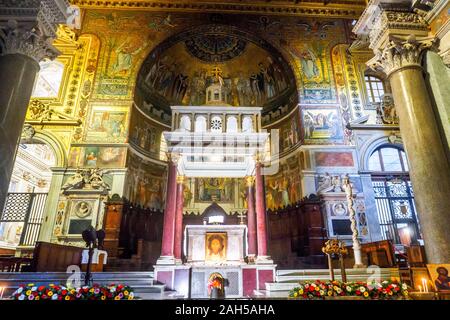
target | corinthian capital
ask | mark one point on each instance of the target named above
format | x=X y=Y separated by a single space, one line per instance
x=399 y=54
x=29 y=27
x=32 y=43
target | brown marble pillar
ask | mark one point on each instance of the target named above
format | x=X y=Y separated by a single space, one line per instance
x=429 y=165
x=261 y=228
x=179 y=219
x=251 y=218
x=168 y=236
x=18 y=73
x=428 y=162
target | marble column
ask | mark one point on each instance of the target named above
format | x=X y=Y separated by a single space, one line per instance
x=22 y=49
x=429 y=166
x=179 y=219
x=168 y=236
x=260 y=206
x=251 y=218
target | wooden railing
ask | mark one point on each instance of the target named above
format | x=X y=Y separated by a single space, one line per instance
x=14 y=264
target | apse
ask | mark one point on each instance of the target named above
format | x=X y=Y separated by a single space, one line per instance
x=178 y=72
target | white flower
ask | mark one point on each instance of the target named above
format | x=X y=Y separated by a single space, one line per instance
x=404 y=286
x=21 y=297
x=33 y=288
x=349 y=289
x=18 y=291
x=362 y=289
x=55 y=297
x=131 y=294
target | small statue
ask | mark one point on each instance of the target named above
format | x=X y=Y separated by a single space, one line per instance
x=337 y=184
x=75 y=182
x=325 y=183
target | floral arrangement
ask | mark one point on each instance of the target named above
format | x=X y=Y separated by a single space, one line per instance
x=215 y=282
x=59 y=292
x=320 y=290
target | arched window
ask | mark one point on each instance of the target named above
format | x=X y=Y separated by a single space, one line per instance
x=48 y=80
x=394 y=196
x=375 y=88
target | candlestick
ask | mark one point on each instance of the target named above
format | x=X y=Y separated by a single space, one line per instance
x=425 y=285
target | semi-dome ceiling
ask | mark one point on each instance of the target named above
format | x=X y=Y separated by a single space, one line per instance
x=180 y=69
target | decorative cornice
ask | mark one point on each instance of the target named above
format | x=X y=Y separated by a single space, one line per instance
x=28 y=27
x=337 y=9
x=395 y=22
x=399 y=54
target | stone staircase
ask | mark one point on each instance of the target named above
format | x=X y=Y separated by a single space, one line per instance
x=143 y=283
x=289 y=279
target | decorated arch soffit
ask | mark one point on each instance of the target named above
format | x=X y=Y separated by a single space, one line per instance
x=130 y=36
x=62 y=114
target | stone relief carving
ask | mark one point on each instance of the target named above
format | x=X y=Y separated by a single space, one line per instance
x=392 y=20
x=82 y=209
x=42 y=113
x=86 y=179
x=28 y=132
x=329 y=183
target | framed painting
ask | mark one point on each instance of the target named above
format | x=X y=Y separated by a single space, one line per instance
x=216 y=246
x=107 y=124
x=439 y=274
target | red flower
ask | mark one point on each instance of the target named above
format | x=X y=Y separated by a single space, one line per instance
x=41 y=288
x=358 y=292
x=64 y=292
x=311 y=288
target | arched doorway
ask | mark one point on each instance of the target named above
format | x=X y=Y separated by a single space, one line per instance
x=22 y=215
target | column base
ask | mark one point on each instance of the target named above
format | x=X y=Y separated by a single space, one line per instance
x=166 y=261
x=359 y=266
x=263 y=260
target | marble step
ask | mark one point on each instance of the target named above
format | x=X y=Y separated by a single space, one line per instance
x=289 y=279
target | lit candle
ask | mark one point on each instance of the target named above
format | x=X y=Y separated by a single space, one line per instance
x=424 y=284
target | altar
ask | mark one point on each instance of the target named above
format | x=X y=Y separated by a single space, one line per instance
x=215 y=244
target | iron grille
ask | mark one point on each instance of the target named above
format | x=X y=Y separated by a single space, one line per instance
x=27 y=208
